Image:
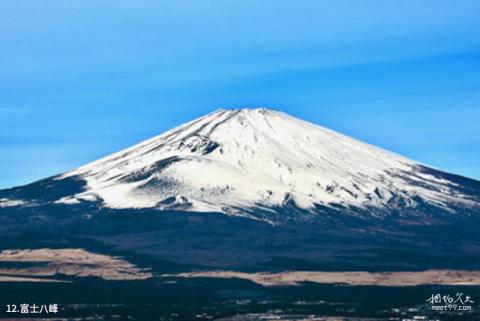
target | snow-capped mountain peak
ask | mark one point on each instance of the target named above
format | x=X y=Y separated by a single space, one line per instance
x=242 y=160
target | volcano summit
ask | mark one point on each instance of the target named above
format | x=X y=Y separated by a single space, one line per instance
x=264 y=165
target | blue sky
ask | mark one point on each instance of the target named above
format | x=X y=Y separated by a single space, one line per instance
x=82 y=79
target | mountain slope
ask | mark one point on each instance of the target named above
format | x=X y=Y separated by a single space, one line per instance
x=261 y=164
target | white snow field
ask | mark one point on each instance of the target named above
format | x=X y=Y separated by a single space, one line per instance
x=232 y=160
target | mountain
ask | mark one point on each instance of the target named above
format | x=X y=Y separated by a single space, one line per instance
x=253 y=189
x=260 y=164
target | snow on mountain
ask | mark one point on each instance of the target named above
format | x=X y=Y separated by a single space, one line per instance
x=234 y=161
x=5 y=202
